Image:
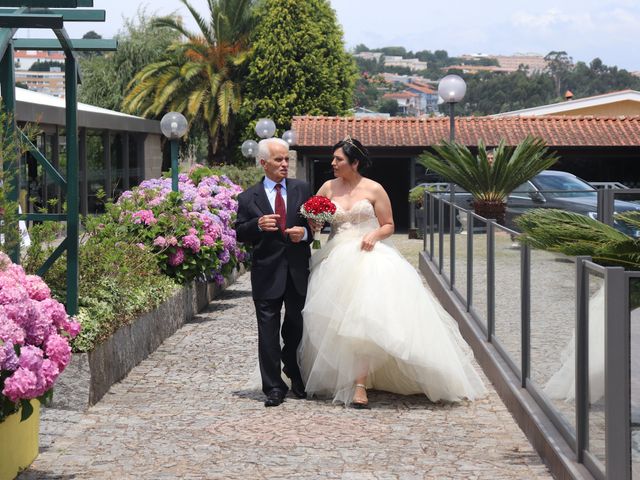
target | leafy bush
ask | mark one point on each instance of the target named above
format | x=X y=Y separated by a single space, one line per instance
x=118 y=280
x=190 y=232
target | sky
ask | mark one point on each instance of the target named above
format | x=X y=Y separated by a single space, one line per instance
x=585 y=29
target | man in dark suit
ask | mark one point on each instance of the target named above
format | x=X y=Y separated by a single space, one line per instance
x=268 y=219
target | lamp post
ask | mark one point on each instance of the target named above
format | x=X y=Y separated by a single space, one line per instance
x=174 y=126
x=265 y=128
x=452 y=89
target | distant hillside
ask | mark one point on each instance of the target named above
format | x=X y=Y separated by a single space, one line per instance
x=490 y=90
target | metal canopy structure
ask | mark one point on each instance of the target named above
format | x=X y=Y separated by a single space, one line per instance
x=49 y=14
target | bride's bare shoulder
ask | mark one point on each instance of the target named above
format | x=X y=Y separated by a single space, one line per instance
x=326 y=189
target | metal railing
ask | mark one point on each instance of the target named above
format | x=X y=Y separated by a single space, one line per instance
x=492 y=278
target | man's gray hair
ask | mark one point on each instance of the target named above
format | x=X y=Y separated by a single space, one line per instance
x=263 y=147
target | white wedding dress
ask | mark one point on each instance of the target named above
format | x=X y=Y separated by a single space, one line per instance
x=369 y=312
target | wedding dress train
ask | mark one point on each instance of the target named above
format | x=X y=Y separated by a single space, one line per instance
x=369 y=312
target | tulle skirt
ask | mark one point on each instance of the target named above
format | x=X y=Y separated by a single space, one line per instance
x=368 y=312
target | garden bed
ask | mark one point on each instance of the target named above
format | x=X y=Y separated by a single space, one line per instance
x=90 y=375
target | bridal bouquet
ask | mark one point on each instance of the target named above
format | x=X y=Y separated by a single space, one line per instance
x=319 y=209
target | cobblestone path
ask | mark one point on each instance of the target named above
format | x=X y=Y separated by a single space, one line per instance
x=184 y=413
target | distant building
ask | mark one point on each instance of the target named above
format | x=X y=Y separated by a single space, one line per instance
x=535 y=62
x=473 y=69
x=506 y=63
x=51 y=83
x=361 y=112
x=369 y=55
x=408 y=103
x=411 y=63
x=427 y=98
x=24 y=59
x=614 y=104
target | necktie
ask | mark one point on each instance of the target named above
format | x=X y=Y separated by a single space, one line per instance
x=280 y=209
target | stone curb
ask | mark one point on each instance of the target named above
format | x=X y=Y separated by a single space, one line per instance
x=89 y=376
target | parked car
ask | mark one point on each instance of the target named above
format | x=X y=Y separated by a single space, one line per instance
x=555 y=189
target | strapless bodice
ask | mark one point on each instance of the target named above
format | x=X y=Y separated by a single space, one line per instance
x=361 y=217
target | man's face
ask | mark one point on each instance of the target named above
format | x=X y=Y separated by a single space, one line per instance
x=276 y=167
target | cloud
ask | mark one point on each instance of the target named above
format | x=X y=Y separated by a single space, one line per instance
x=552 y=18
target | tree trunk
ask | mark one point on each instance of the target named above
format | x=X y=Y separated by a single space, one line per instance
x=493 y=210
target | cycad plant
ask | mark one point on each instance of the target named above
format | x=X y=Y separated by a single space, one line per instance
x=489 y=176
x=201 y=76
x=574 y=234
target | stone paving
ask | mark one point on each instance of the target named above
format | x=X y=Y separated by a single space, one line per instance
x=186 y=413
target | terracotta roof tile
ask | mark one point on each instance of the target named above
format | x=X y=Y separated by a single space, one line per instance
x=559 y=131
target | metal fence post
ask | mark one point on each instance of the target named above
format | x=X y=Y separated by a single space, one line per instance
x=525 y=313
x=582 y=356
x=452 y=244
x=431 y=226
x=71 y=90
x=617 y=378
x=440 y=234
x=491 y=281
x=470 y=220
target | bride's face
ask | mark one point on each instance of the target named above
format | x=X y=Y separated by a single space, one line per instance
x=341 y=165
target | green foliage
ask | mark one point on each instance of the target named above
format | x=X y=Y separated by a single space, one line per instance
x=416 y=194
x=390 y=106
x=574 y=234
x=299 y=65
x=201 y=76
x=489 y=179
x=105 y=77
x=45 y=66
x=489 y=93
x=118 y=280
x=12 y=147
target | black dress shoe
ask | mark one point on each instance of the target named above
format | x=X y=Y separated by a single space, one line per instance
x=297 y=386
x=274 y=398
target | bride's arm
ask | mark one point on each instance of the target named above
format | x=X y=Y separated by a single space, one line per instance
x=382 y=206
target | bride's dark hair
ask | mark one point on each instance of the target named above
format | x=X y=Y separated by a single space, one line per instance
x=354 y=151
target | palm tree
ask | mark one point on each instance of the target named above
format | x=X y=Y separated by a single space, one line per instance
x=574 y=234
x=199 y=77
x=489 y=176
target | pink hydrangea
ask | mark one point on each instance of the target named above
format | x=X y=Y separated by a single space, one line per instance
x=144 y=216
x=58 y=350
x=22 y=384
x=191 y=242
x=36 y=288
x=208 y=240
x=160 y=242
x=32 y=323
x=176 y=258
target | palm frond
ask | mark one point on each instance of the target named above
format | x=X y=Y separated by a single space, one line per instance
x=489 y=180
x=574 y=234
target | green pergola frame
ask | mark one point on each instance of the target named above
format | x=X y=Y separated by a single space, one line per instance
x=49 y=14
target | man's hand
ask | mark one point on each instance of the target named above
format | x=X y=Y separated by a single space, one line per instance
x=268 y=223
x=295 y=233
x=315 y=226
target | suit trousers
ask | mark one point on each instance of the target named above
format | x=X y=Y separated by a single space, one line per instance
x=270 y=354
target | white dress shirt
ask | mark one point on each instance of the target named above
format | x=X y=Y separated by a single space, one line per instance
x=270 y=190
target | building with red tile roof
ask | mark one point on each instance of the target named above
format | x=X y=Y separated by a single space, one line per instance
x=594 y=148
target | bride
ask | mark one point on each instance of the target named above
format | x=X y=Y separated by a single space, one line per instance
x=368 y=320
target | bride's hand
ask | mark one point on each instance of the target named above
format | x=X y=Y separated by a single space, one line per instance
x=368 y=241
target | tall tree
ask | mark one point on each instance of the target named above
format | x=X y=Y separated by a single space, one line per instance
x=201 y=76
x=105 y=77
x=559 y=65
x=299 y=64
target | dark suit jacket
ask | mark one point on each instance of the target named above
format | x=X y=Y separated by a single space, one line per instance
x=274 y=256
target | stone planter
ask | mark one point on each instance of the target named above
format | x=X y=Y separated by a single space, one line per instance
x=90 y=375
x=18 y=442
